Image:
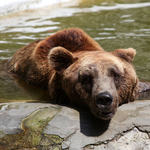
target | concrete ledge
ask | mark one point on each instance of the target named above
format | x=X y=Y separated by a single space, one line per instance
x=45 y=126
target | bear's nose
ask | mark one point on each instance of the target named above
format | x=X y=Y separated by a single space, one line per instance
x=104 y=99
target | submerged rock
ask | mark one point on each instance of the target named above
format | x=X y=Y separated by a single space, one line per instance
x=46 y=126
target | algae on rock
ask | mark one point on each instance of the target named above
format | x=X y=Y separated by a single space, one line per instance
x=32 y=136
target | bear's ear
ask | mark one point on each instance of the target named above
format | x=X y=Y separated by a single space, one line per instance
x=60 y=58
x=127 y=54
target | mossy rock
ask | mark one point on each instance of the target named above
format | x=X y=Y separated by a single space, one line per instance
x=32 y=137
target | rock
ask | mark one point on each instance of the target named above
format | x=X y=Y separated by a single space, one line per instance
x=46 y=126
x=131 y=140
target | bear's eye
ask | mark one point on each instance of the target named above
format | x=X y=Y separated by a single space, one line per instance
x=85 y=79
x=116 y=76
x=117 y=79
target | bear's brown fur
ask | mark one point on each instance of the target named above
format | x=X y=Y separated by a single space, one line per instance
x=73 y=68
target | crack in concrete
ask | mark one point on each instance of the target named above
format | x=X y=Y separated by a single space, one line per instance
x=116 y=137
x=69 y=136
x=138 y=127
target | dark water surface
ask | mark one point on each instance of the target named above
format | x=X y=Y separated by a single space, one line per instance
x=113 y=24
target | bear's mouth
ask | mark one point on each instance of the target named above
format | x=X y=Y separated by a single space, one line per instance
x=105 y=115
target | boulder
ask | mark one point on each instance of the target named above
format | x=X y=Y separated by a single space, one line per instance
x=43 y=126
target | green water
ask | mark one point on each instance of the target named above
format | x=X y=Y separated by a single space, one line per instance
x=113 y=24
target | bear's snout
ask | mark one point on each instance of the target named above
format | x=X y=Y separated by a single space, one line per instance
x=104 y=99
x=105 y=106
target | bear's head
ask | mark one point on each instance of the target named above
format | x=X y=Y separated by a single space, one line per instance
x=99 y=80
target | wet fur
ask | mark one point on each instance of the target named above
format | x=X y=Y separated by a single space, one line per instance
x=47 y=64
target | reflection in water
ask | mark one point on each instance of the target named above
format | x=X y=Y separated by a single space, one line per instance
x=113 y=24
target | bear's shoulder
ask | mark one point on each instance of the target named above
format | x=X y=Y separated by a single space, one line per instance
x=73 y=39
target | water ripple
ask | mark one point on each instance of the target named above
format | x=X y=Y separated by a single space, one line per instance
x=119 y=6
x=30 y=29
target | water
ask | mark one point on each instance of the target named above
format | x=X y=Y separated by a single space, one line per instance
x=12 y=6
x=113 y=24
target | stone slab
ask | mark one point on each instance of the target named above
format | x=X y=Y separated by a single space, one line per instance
x=79 y=129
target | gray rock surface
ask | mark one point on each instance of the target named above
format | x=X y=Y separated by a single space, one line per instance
x=77 y=128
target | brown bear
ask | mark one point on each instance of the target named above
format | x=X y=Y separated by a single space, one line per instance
x=73 y=68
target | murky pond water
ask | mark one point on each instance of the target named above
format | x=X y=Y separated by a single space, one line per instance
x=113 y=24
